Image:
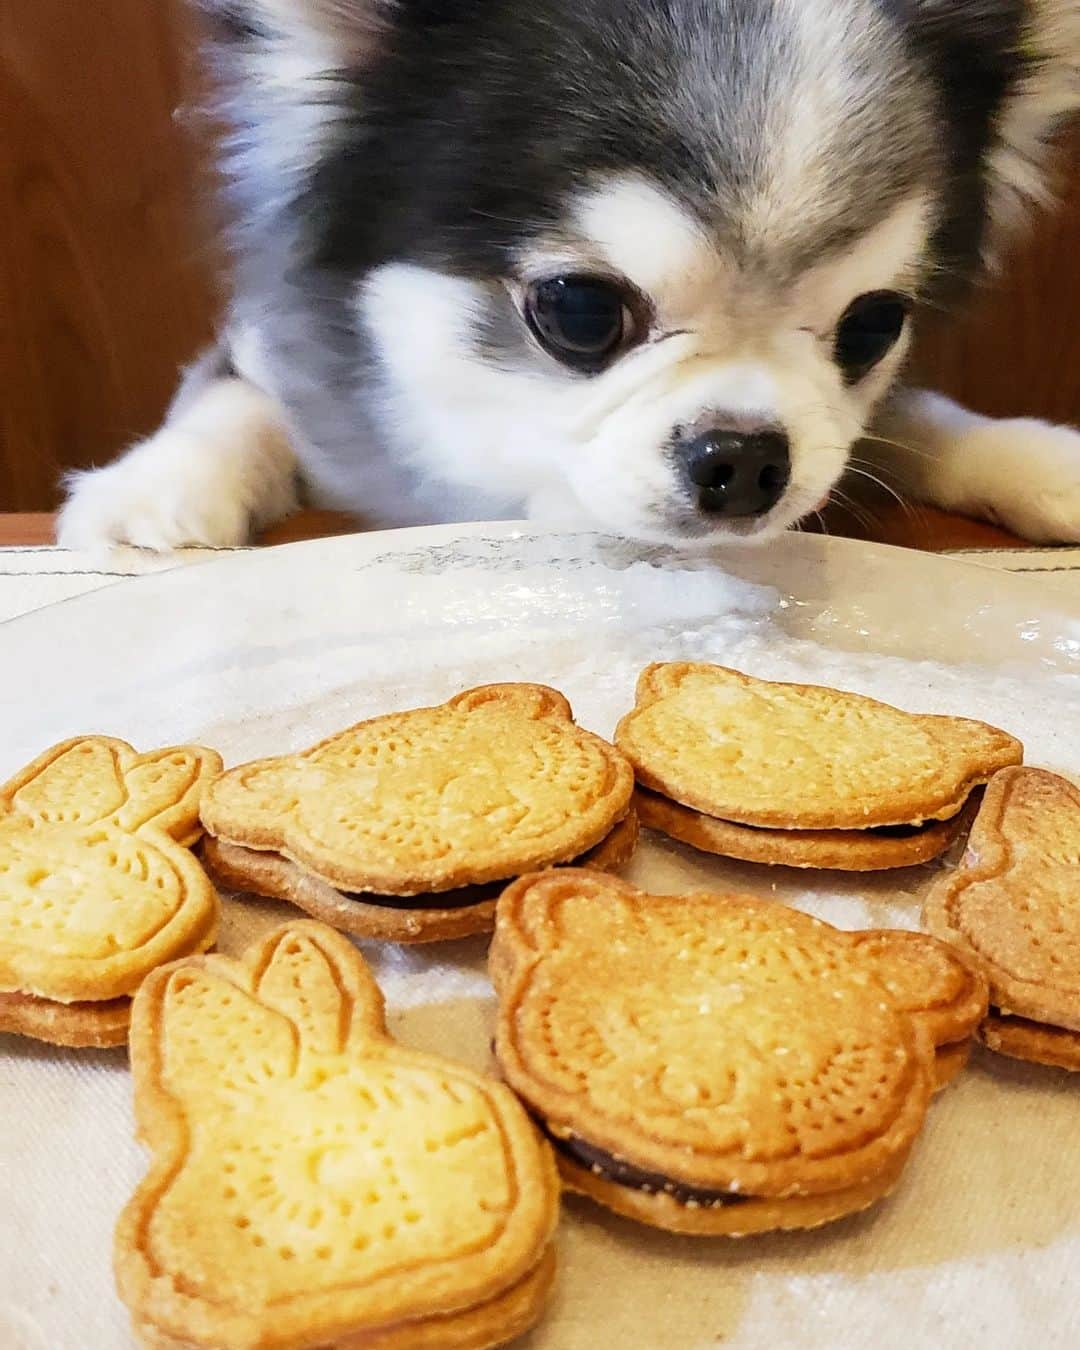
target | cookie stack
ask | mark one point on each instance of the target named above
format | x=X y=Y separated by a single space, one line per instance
x=406 y=827
x=1012 y=908
x=717 y=1064
x=799 y=775
x=98 y=884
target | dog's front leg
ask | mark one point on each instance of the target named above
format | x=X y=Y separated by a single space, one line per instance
x=220 y=467
x=1018 y=472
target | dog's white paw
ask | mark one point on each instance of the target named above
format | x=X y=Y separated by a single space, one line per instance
x=221 y=470
x=1020 y=473
x=160 y=504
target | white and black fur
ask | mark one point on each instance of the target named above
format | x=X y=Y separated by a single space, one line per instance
x=407 y=175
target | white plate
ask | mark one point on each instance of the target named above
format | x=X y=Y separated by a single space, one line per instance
x=269 y=650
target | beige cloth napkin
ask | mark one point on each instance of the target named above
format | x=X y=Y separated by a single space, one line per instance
x=979 y=1249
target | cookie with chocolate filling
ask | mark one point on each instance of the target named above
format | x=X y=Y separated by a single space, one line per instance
x=313 y=1182
x=719 y=1064
x=97 y=884
x=1012 y=907
x=802 y=775
x=407 y=826
x=390 y=918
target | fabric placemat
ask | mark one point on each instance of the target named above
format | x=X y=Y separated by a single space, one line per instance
x=977 y=1250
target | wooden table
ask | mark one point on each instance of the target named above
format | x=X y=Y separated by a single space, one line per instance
x=912 y=527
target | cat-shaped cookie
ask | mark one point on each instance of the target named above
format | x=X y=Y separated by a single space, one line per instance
x=97 y=886
x=313 y=1182
x=717 y=1063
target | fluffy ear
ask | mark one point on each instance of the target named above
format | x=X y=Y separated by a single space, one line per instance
x=534 y=701
x=1030 y=52
x=349 y=27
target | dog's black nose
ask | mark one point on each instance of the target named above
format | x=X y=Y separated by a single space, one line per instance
x=738 y=473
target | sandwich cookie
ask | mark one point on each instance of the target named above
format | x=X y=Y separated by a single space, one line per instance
x=313 y=1183
x=718 y=1064
x=97 y=884
x=1012 y=908
x=407 y=826
x=801 y=775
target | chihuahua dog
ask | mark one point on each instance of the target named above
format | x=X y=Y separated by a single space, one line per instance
x=651 y=266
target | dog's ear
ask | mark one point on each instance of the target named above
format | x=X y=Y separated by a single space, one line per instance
x=1019 y=67
x=350 y=28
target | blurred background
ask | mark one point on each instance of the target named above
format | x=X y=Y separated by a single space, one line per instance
x=110 y=279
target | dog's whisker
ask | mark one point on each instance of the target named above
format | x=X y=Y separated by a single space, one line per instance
x=897 y=445
x=863 y=515
x=879 y=482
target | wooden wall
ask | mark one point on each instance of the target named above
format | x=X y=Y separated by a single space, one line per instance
x=107 y=268
x=1017 y=350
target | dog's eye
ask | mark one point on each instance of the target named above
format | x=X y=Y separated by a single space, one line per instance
x=582 y=321
x=870 y=327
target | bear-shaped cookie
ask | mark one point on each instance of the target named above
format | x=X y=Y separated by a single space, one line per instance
x=801 y=757
x=718 y=1063
x=496 y=782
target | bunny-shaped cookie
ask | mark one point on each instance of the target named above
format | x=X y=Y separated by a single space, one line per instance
x=720 y=1064
x=96 y=884
x=314 y=1183
x=1013 y=908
